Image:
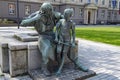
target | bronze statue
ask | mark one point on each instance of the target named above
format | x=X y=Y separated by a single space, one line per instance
x=65 y=37
x=44 y=21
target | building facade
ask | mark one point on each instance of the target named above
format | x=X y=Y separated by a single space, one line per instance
x=85 y=11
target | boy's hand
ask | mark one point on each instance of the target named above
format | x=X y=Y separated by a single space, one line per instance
x=73 y=44
x=56 y=40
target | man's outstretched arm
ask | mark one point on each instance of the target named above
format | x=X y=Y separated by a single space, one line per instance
x=28 y=21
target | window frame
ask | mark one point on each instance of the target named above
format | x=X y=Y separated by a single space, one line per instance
x=14 y=8
x=81 y=12
x=103 y=2
x=26 y=9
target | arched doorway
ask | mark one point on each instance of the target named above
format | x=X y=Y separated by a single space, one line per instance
x=90 y=13
x=89 y=17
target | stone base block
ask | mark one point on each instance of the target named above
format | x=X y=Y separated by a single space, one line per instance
x=35 y=59
x=18 y=59
x=4 y=57
x=24 y=37
x=68 y=73
x=34 y=56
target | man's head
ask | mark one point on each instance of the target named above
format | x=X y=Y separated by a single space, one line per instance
x=68 y=13
x=46 y=8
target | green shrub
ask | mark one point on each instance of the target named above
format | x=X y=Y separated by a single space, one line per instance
x=10 y=22
x=6 y=21
x=0 y=21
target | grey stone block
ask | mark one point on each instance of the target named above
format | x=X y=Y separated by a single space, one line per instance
x=4 y=57
x=26 y=37
x=35 y=59
x=18 y=58
x=33 y=34
x=34 y=56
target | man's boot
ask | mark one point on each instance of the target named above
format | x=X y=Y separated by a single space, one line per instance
x=45 y=70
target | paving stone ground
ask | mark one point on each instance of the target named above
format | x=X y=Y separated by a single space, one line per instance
x=102 y=58
x=7 y=77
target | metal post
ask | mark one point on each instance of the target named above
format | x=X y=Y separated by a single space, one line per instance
x=18 y=14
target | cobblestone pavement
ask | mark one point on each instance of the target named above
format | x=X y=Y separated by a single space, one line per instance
x=102 y=58
x=7 y=77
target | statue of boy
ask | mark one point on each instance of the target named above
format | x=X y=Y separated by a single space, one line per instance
x=44 y=21
x=65 y=36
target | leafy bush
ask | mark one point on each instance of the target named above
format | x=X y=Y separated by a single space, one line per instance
x=6 y=21
x=0 y=20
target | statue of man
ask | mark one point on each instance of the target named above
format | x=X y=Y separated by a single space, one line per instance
x=65 y=36
x=44 y=22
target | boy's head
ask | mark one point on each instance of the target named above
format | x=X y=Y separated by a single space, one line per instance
x=68 y=13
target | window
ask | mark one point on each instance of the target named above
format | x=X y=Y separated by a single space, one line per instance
x=119 y=5
x=81 y=1
x=54 y=8
x=89 y=1
x=81 y=12
x=97 y=13
x=116 y=4
x=115 y=15
x=109 y=14
x=96 y=1
x=11 y=9
x=119 y=8
x=72 y=0
x=110 y=3
x=103 y=2
x=27 y=10
x=103 y=13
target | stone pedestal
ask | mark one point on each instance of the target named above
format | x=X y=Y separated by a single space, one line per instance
x=4 y=57
x=68 y=73
x=18 y=59
x=34 y=56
